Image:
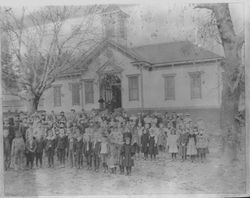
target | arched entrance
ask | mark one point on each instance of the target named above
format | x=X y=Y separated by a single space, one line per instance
x=110 y=90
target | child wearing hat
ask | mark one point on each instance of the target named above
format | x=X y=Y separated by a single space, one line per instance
x=127 y=153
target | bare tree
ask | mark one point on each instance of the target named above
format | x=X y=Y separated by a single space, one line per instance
x=40 y=47
x=233 y=75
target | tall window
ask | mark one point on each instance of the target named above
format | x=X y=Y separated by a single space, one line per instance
x=169 y=87
x=133 y=87
x=195 y=79
x=57 y=96
x=75 y=94
x=89 y=91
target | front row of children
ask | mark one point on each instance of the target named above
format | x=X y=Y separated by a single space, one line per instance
x=96 y=149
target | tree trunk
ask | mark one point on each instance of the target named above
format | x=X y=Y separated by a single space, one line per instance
x=33 y=104
x=232 y=45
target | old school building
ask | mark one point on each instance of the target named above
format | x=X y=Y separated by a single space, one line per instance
x=176 y=76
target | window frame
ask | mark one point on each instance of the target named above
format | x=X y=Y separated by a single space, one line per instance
x=74 y=101
x=92 y=91
x=59 y=87
x=129 y=88
x=192 y=76
x=172 y=76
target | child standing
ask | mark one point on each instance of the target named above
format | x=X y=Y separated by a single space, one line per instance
x=127 y=152
x=71 y=142
x=104 y=153
x=39 y=151
x=17 y=149
x=61 y=145
x=89 y=151
x=183 y=138
x=172 y=143
x=139 y=131
x=191 y=145
x=202 y=144
x=30 y=151
x=145 y=141
x=50 y=148
x=78 y=149
x=6 y=143
x=162 y=139
x=96 y=152
x=153 y=151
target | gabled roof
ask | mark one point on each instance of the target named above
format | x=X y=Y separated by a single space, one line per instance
x=93 y=52
x=180 y=51
x=109 y=67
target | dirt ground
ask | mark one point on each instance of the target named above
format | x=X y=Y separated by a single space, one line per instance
x=162 y=176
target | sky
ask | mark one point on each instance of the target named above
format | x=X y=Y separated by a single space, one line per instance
x=168 y=22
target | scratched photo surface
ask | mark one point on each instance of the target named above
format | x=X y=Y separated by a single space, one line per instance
x=117 y=99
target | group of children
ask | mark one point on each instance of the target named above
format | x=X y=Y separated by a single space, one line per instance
x=95 y=139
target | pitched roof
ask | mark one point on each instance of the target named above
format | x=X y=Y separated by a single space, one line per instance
x=165 y=53
x=180 y=51
x=112 y=8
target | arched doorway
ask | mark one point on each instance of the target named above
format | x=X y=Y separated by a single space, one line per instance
x=110 y=90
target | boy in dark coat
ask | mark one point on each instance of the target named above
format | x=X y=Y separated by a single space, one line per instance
x=96 y=152
x=182 y=141
x=39 y=151
x=78 y=144
x=88 y=148
x=127 y=153
x=31 y=146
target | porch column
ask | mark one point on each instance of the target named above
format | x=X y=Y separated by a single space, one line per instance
x=142 y=98
x=82 y=85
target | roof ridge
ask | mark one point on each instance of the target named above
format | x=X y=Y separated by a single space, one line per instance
x=162 y=43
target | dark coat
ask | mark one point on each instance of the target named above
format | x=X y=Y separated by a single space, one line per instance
x=152 y=149
x=183 y=139
x=61 y=142
x=78 y=144
x=90 y=150
x=50 y=144
x=145 y=142
x=97 y=148
x=7 y=148
x=40 y=145
x=127 y=151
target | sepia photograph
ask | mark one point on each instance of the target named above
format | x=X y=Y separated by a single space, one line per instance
x=124 y=98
